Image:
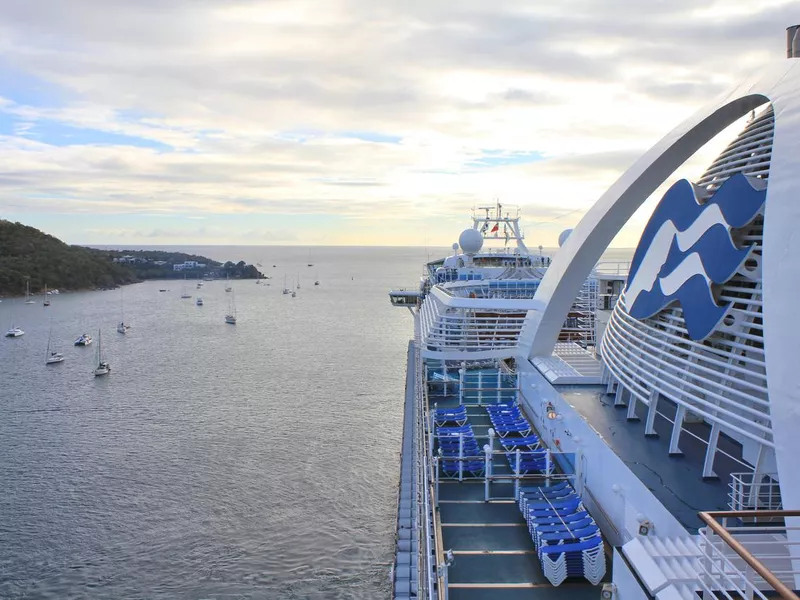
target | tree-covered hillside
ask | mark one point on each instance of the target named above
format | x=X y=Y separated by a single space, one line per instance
x=27 y=252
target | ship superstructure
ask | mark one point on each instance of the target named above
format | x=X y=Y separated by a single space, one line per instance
x=576 y=429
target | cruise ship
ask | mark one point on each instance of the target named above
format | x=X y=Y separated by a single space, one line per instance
x=575 y=429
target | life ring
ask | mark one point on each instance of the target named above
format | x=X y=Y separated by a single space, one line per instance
x=472 y=295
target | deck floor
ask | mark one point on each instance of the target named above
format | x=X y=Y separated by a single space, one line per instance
x=677 y=481
x=494 y=554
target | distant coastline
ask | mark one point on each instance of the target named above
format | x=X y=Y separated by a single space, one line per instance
x=32 y=261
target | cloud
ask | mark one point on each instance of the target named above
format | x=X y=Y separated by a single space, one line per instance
x=351 y=108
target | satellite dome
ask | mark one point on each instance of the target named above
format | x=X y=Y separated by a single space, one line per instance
x=471 y=241
x=563 y=237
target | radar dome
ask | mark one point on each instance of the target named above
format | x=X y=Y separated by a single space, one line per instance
x=470 y=241
x=563 y=237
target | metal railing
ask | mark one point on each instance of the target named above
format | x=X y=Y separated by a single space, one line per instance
x=754 y=491
x=752 y=561
x=426 y=522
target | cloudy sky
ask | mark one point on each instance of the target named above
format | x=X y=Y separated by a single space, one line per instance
x=376 y=122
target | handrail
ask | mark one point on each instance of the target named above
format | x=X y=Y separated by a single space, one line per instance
x=439 y=545
x=710 y=519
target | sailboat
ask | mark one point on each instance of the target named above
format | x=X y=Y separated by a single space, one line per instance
x=286 y=289
x=103 y=367
x=121 y=326
x=28 y=299
x=230 y=318
x=228 y=287
x=83 y=340
x=46 y=299
x=184 y=293
x=52 y=357
x=316 y=278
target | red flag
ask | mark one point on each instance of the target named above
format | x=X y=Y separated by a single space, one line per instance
x=495 y=228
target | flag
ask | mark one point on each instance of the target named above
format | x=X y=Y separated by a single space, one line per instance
x=485 y=227
x=496 y=228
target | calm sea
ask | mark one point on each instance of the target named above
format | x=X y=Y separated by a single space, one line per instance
x=255 y=461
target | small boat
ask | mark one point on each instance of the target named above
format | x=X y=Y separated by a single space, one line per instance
x=294 y=294
x=199 y=301
x=103 y=368
x=316 y=282
x=121 y=326
x=84 y=340
x=14 y=332
x=286 y=289
x=52 y=357
x=46 y=299
x=230 y=318
x=184 y=293
x=28 y=299
x=162 y=290
x=228 y=287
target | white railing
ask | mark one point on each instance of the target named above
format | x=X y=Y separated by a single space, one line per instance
x=753 y=561
x=754 y=491
x=446 y=328
x=724 y=383
x=608 y=267
x=426 y=563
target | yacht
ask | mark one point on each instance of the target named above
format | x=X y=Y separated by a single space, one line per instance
x=575 y=429
x=83 y=340
x=28 y=298
x=199 y=301
x=230 y=318
x=52 y=357
x=46 y=300
x=103 y=367
x=14 y=331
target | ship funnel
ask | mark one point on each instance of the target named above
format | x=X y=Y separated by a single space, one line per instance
x=793 y=41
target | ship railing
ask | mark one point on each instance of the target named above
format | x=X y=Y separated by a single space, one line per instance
x=428 y=558
x=756 y=560
x=608 y=267
x=754 y=491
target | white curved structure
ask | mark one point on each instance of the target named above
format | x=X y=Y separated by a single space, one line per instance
x=779 y=84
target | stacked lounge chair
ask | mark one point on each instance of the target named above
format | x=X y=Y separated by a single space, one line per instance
x=517 y=434
x=456 y=439
x=565 y=536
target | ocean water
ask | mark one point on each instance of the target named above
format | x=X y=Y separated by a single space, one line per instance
x=215 y=461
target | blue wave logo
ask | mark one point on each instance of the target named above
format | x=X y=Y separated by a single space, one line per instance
x=686 y=246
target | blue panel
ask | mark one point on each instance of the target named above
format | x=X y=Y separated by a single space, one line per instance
x=739 y=203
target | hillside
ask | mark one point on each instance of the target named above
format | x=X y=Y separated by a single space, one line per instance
x=28 y=252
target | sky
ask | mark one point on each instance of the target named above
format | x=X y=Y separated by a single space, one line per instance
x=350 y=122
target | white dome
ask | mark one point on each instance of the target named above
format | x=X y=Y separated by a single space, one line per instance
x=563 y=237
x=470 y=241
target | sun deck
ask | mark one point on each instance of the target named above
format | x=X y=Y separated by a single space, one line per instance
x=494 y=556
x=677 y=481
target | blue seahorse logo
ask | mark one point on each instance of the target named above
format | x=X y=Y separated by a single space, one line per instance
x=686 y=246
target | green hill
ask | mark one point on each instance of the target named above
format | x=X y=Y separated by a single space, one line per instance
x=28 y=252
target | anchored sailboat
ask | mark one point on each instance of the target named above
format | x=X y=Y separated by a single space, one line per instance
x=28 y=299
x=103 y=367
x=46 y=301
x=121 y=326
x=230 y=318
x=52 y=357
x=184 y=293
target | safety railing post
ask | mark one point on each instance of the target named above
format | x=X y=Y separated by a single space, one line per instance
x=461 y=457
x=436 y=480
x=487 y=469
x=547 y=466
x=516 y=475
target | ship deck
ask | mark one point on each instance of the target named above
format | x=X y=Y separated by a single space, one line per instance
x=677 y=481
x=494 y=554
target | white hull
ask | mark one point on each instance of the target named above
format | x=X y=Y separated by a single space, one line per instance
x=55 y=359
x=15 y=332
